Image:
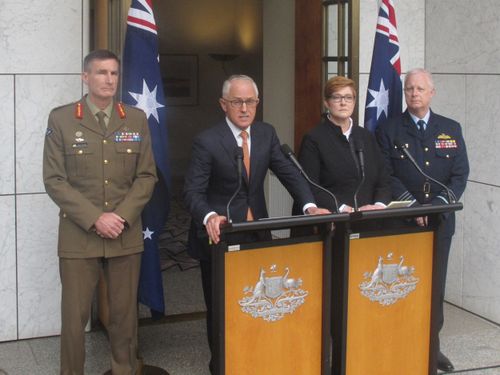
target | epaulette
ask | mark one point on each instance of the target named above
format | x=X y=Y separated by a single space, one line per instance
x=120 y=108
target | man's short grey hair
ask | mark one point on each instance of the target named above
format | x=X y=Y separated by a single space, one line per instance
x=420 y=71
x=227 y=84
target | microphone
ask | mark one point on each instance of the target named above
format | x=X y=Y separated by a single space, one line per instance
x=401 y=146
x=358 y=147
x=285 y=149
x=238 y=154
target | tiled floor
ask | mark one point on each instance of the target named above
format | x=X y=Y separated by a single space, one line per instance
x=178 y=344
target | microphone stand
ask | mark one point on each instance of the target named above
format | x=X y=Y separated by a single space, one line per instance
x=290 y=155
x=360 y=155
x=451 y=196
x=238 y=153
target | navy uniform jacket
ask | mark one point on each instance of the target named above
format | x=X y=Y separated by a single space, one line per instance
x=212 y=177
x=441 y=153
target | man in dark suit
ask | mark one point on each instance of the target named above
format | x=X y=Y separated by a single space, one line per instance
x=98 y=167
x=437 y=144
x=212 y=177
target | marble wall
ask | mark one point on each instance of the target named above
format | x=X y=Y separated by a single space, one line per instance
x=462 y=53
x=42 y=49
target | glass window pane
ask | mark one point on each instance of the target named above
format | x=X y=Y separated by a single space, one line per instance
x=331 y=30
x=331 y=69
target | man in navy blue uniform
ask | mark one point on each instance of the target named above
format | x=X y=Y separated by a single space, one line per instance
x=437 y=145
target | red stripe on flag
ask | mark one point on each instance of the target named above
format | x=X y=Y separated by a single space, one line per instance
x=397 y=66
x=141 y=22
x=383 y=28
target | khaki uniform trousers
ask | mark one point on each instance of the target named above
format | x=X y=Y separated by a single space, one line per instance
x=79 y=279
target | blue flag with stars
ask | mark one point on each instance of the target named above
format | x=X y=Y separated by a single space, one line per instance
x=142 y=88
x=384 y=96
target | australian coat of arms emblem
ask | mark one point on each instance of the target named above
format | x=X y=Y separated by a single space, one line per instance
x=389 y=282
x=273 y=296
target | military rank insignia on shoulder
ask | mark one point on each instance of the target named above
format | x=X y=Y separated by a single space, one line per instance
x=48 y=132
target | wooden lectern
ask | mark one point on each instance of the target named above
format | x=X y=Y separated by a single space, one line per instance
x=272 y=300
x=383 y=293
x=354 y=299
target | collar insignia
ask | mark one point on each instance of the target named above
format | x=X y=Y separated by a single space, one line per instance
x=79 y=110
x=120 y=109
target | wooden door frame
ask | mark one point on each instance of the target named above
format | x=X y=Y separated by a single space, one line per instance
x=309 y=62
x=308 y=66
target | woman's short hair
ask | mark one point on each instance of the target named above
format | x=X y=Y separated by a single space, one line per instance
x=337 y=83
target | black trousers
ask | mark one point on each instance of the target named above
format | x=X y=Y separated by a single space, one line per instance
x=443 y=245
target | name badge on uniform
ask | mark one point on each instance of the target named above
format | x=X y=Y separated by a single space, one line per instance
x=127 y=137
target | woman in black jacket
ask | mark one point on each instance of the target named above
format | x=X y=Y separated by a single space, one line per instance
x=344 y=157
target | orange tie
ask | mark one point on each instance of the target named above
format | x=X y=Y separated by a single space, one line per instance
x=246 y=162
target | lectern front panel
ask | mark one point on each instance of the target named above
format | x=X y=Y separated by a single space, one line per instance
x=273 y=310
x=389 y=304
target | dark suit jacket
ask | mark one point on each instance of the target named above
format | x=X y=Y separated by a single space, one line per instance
x=212 y=177
x=441 y=153
x=328 y=159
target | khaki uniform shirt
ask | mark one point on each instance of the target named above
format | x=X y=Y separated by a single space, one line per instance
x=88 y=171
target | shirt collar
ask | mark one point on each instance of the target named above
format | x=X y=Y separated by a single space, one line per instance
x=95 y=109
x=425 y=118
x=348 y=131
x=236 y=131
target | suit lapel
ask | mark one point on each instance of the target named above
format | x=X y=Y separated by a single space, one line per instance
x=227 y=141
x=88 y=120
x=432 y=127
x=256 y=148
x=115 y=122
x=410 y=126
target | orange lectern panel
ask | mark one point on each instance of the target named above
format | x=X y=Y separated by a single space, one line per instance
x=273 y=310
x=389 y=305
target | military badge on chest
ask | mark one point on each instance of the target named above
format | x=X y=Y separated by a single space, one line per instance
x=127 y=136
x=445 y=141
x=80 y=141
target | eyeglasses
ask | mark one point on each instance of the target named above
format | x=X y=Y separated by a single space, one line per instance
x=238 y=103
x=338 y=98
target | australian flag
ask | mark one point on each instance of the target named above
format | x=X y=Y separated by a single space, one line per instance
x=384 y=96
x=142 y=88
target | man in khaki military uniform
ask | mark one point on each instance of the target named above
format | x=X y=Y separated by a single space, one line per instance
x=98 y=167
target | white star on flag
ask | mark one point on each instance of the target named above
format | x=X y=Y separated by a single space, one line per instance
x=147 y=101
x=380 y=99
x=147 y=233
